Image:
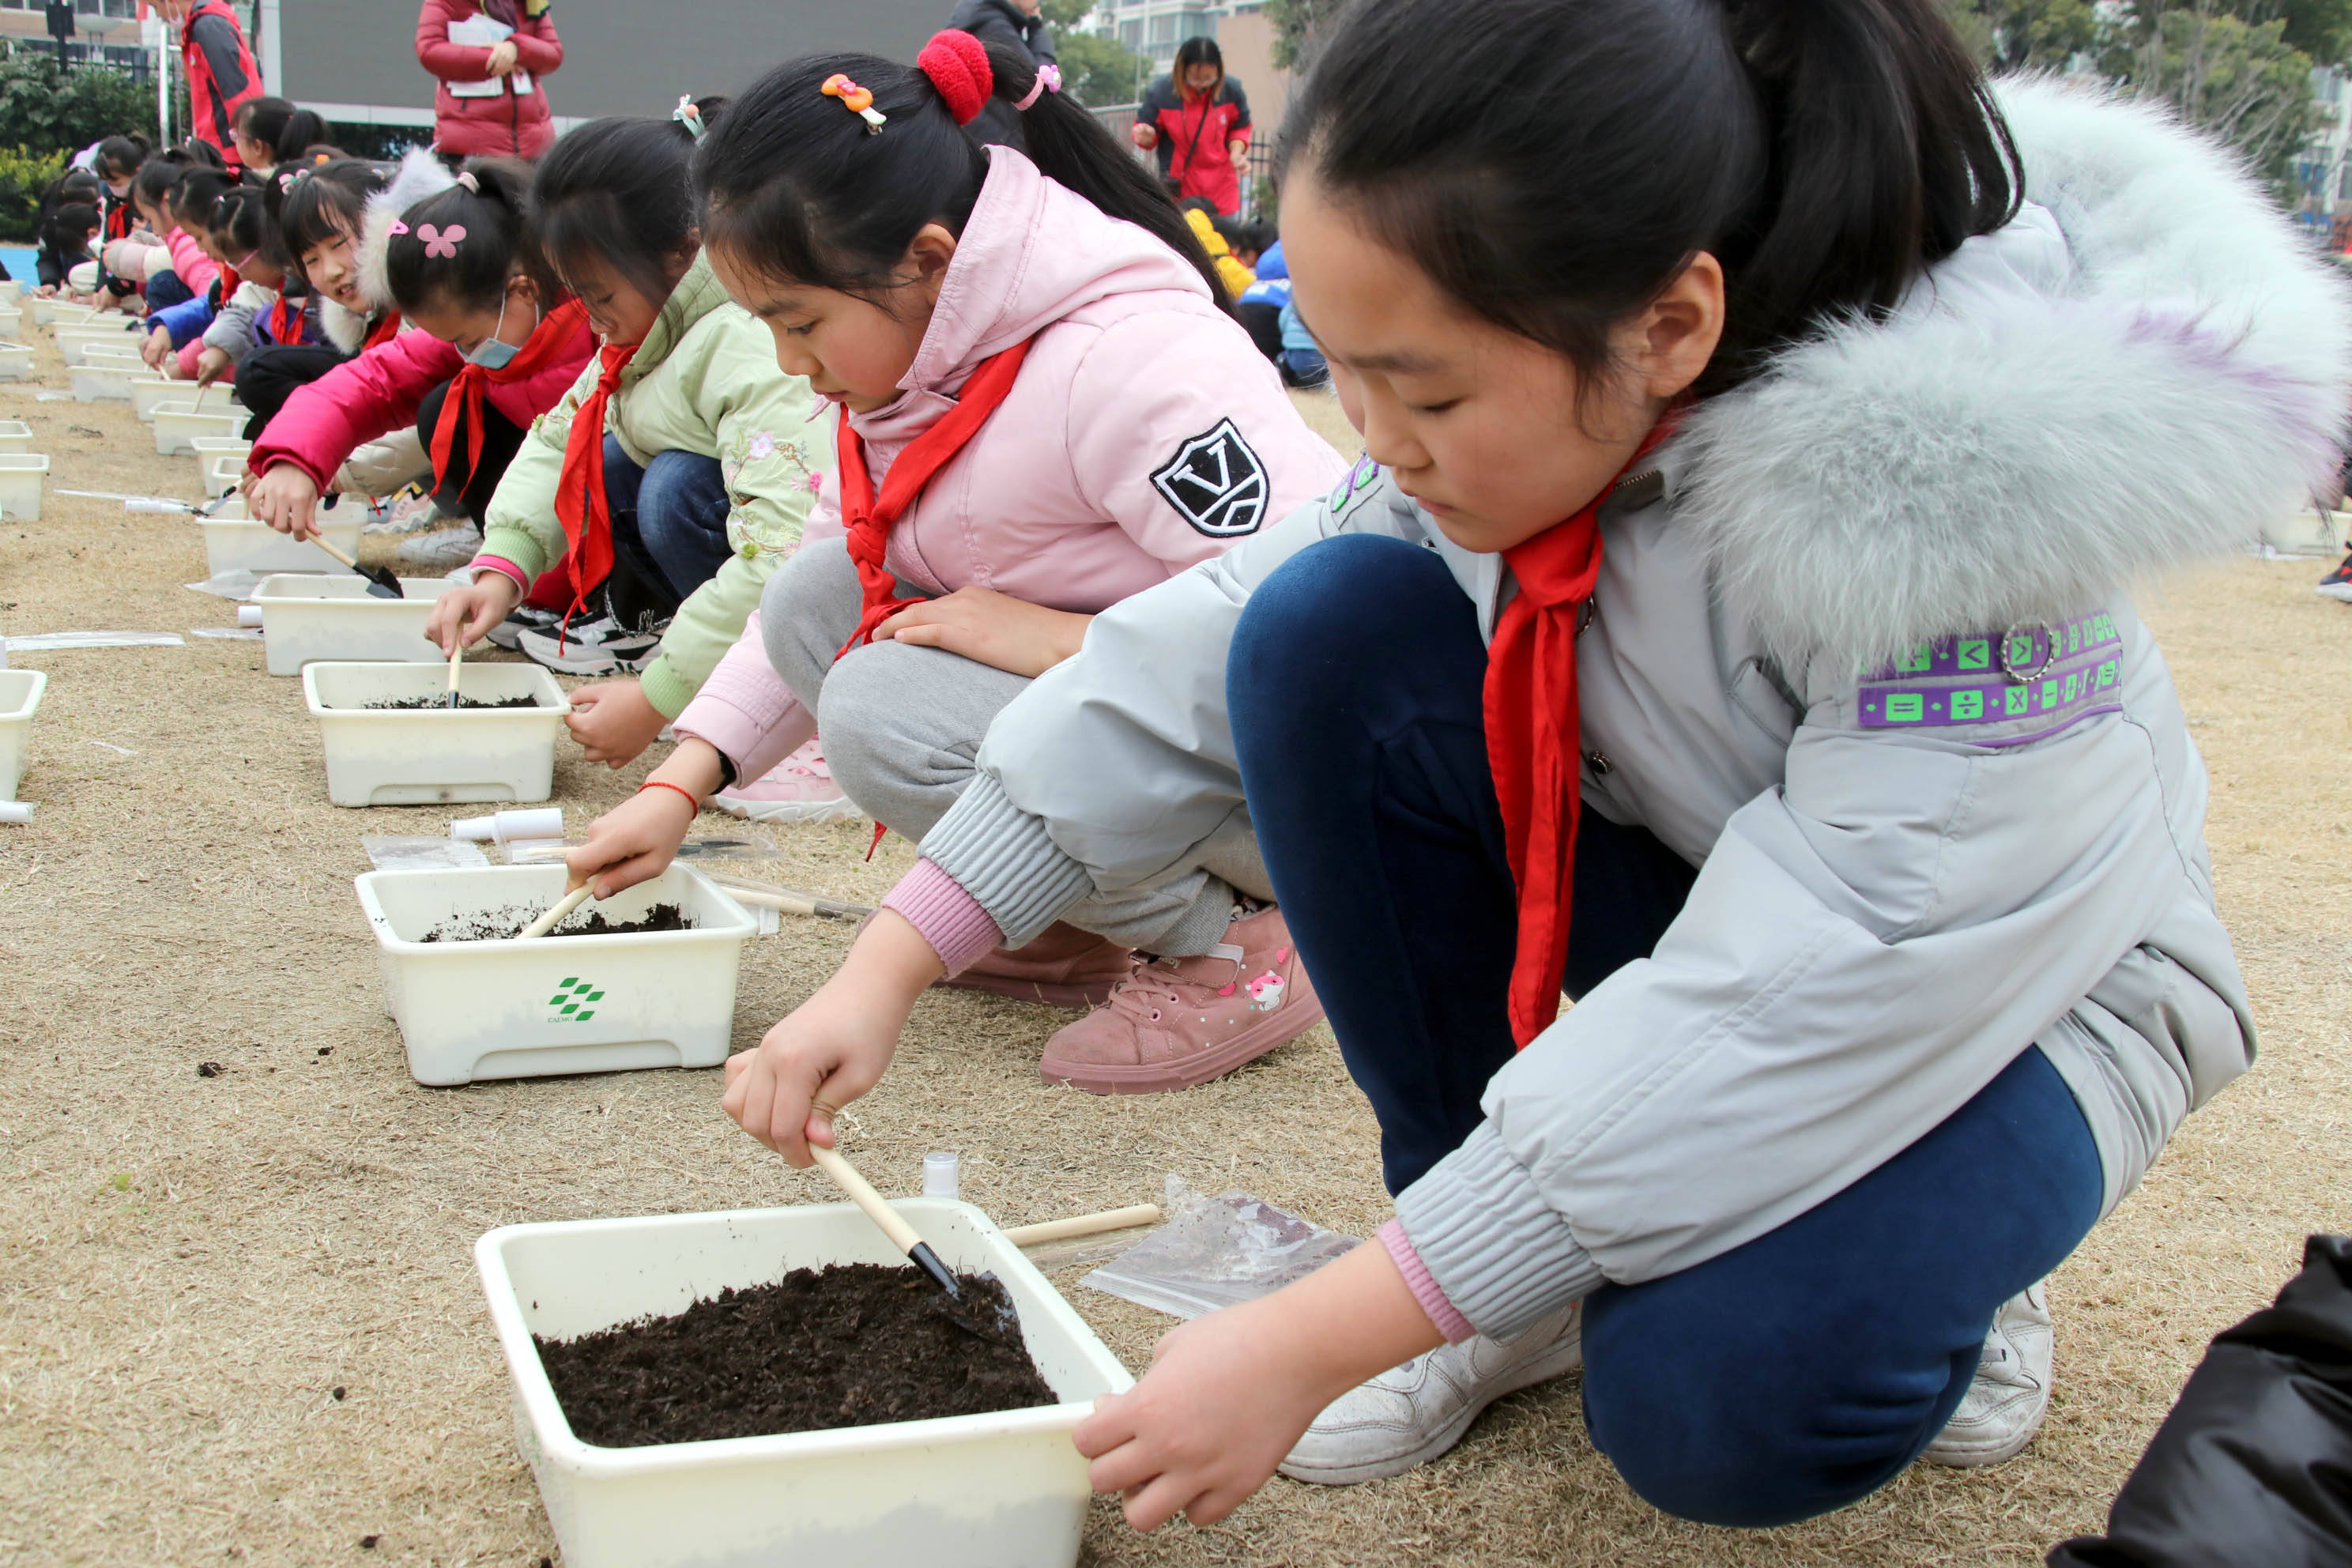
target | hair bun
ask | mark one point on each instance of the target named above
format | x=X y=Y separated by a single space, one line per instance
x=958 y=66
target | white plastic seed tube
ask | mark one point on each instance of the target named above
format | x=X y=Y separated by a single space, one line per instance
x=248 y=615
x=21 y=813
x=939 y=1177
x=505 y=827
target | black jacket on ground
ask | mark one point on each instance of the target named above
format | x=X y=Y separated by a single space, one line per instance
x=2252 y=1465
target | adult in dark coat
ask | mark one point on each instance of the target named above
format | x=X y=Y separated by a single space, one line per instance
x=1010 y=22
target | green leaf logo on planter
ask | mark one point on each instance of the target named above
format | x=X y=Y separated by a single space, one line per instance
x=574 y=1002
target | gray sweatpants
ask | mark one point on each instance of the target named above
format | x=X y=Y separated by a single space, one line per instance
x=901 y=726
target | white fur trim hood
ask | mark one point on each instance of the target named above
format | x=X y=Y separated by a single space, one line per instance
x=2182 y=382
x=420 y=175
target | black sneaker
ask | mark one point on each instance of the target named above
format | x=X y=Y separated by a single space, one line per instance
x=2338 y=584
x=597 y=646
x=508 y=634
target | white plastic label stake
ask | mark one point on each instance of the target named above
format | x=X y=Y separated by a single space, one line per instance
x=17 y=811
x=504 y=826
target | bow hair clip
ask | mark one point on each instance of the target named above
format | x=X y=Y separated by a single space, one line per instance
x=854 y=97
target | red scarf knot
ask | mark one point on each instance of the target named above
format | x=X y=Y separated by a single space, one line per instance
x=868 y=518
x=462 y=403
x=1532 y=739
x=580 y=504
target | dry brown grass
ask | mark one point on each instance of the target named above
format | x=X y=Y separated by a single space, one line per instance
x=195 y=1267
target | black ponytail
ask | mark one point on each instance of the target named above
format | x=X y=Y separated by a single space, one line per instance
x=496 y=215
x=794 y=186
x=1560 y=161
x=616 y=191
x=242 y=227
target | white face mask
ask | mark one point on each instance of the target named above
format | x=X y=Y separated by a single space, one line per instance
x=495 y=352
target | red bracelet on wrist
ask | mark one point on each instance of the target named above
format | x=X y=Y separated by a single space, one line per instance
x=665 y=784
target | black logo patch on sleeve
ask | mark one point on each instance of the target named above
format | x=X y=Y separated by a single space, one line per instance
x=1215 y=483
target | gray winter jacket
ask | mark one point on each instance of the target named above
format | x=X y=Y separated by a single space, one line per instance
x=1862 y=652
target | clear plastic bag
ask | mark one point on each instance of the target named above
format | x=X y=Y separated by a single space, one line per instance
x=391 y=852
x=1217 y=1252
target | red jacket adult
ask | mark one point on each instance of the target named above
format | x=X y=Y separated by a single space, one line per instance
x=221 y=72
x=1194 y=133
x=506 y=123
x=323 y=423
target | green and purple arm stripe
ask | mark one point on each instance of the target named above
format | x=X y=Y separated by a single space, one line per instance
x=2063 y=674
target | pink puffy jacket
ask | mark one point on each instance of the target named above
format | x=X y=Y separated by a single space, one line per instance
x=1145 y=434
x=196 y=269
x=361 y=399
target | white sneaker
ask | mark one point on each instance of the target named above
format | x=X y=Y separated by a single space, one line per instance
x=2004 y=1405
x=591 y=646
x=1413 y=1413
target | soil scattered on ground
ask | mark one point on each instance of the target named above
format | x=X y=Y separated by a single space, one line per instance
x=508 y=923
x=847 y=1345
x=442 y=701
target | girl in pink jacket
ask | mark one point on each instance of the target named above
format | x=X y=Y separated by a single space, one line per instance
x=1044 y=408
x=495 y=343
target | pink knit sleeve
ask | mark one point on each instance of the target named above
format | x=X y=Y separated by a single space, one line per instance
x=949 y=919
x=1426 y=1289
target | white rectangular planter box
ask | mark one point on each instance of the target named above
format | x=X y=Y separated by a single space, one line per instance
x=109 y=382
x=55 y=312
x=431 y=756
x=98 y=356
x=12 y=323
x=74 y=342
x=176 y=426
x=155 y=393
x=16 y=436
x=470 y=1010
x=308 y=619
x=212 y=452
x=1003 y=1491
x=16 y=362
x=245 y=544
x=221 y=475
x=20 y=694
x=22 y=474
x=12 y=289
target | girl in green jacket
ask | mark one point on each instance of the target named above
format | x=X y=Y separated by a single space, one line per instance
x=677 y=472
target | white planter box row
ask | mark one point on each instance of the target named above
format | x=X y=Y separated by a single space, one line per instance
x=432 y=756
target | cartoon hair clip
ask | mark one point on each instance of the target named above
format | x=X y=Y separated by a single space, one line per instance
x=1049 y=80
x=856 y=98
x=441 y=242
x=690 y=114
x=398 y=227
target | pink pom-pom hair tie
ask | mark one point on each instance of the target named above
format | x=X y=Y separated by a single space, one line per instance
x=1049 y=80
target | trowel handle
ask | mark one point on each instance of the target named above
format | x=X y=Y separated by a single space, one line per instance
x=861 y=1191
x=547 y=921
x=321 y=541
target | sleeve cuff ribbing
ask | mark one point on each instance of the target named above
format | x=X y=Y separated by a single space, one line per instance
x=1502 y=1256
x=1006 y=860
x=949 y=919
x=1449 y=1322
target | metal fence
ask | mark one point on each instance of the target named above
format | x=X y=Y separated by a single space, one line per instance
x=1257 y=176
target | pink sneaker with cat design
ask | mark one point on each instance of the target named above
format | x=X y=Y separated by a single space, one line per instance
x=1176 y=1022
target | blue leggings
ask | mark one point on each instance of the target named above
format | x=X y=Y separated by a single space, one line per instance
x=1784 y=1378
x=674 y=508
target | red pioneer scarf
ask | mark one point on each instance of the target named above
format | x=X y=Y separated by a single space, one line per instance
x=285 y=321
x=579 y=491
x=1531 y=740
x=869 y=520
x=383 y=332
x=462 y=402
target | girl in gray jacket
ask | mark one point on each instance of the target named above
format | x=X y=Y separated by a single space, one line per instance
x=1730 y=624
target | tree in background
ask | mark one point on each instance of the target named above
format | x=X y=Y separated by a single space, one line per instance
x=2240 y=68
x=1299 y=29
x=44 y=110
x=1097 y=71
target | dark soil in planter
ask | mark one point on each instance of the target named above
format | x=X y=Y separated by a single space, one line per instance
x=442 y=701
x=509 y=922
x=849 y=1345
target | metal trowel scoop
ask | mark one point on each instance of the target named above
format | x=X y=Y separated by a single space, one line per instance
x=992 y=1320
